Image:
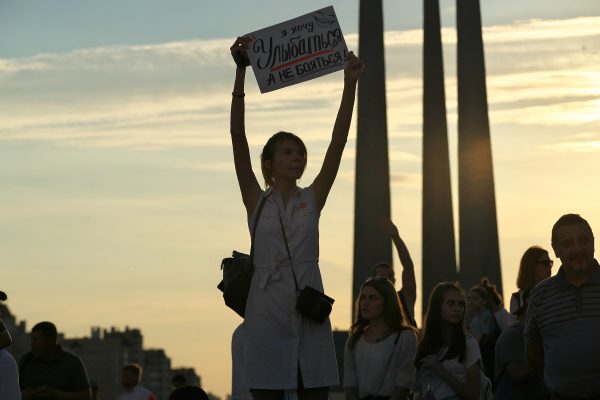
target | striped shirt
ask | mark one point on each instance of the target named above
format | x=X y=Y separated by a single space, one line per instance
x=566 y=319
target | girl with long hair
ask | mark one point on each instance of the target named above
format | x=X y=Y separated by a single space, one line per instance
x=285 y=350
x=379 y=353
x=448 y=361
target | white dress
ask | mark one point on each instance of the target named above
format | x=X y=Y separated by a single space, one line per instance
x=279 y=341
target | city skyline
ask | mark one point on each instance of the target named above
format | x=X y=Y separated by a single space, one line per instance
x=107 y=347
x=117 y=180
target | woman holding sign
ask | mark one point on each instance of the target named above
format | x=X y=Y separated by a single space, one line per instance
x=286 y=349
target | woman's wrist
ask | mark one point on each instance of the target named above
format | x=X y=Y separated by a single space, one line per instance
x=238 y=87
x=350 y=81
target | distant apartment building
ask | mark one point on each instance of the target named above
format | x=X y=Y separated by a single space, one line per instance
x=157 y=373
x=104 y=353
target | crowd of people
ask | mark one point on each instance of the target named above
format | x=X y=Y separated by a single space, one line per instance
x=542 y=349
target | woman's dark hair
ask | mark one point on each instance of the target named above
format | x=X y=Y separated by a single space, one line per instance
x=491 y=295
x=526 y=277
x=393 y=315
x=268 y=152
x=432 y=340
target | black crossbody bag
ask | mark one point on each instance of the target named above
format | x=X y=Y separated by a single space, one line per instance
x=311 y=303
x=237 y=273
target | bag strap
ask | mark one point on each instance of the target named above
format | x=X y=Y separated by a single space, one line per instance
x=256 y=219
x=388 y=363
x=288 y=253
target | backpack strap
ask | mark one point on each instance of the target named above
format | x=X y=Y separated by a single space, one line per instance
x=256 y=219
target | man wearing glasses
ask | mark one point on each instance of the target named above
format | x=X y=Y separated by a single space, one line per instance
x=563 y=318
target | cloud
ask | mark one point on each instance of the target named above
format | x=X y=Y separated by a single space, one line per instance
x=177 y=94
x=584 y=142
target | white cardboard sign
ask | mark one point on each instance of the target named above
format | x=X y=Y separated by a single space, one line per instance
x=297 y=50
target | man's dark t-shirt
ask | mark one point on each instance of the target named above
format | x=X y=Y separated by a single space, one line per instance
x=510 y=347
x=64 y=371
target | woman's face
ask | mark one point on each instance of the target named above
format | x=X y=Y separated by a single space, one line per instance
x=453 y=307
x=542 y=268
x=289 y=160
x=371 y=303
x=476 y=302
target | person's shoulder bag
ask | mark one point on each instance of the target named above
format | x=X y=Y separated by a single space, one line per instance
x=311 y=303
x=237 y=273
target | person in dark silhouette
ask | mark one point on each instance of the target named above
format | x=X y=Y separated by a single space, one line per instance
x=408 y=293
x=131 y=376
x=563 y=315
x=9 y=371
x=483 y=302
x=535 y=266
x=5 y=339
x=178 y=381
x=514 y=379
x=49 y=372
x=379 y=354
x=188 y=392
x=285 y=350
x=239 y=384
x=448 y=361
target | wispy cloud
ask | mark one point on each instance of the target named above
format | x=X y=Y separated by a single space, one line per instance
x=176 y=94
x=585 y=142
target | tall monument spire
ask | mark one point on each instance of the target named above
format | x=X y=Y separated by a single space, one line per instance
x=439 y=255
x=372 y=189
x=479 y=251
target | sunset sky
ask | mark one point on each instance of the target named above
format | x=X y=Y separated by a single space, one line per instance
x=118 y=196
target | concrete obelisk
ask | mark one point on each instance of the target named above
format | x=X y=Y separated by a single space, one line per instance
x=372 y=189
x=439 y=255
x=479 y=251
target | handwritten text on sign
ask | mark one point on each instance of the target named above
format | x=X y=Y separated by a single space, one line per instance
x=297 y=50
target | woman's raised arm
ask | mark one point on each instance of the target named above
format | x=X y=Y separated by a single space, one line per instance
x=324 y=181
x=241 y=153
x=409 y=282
